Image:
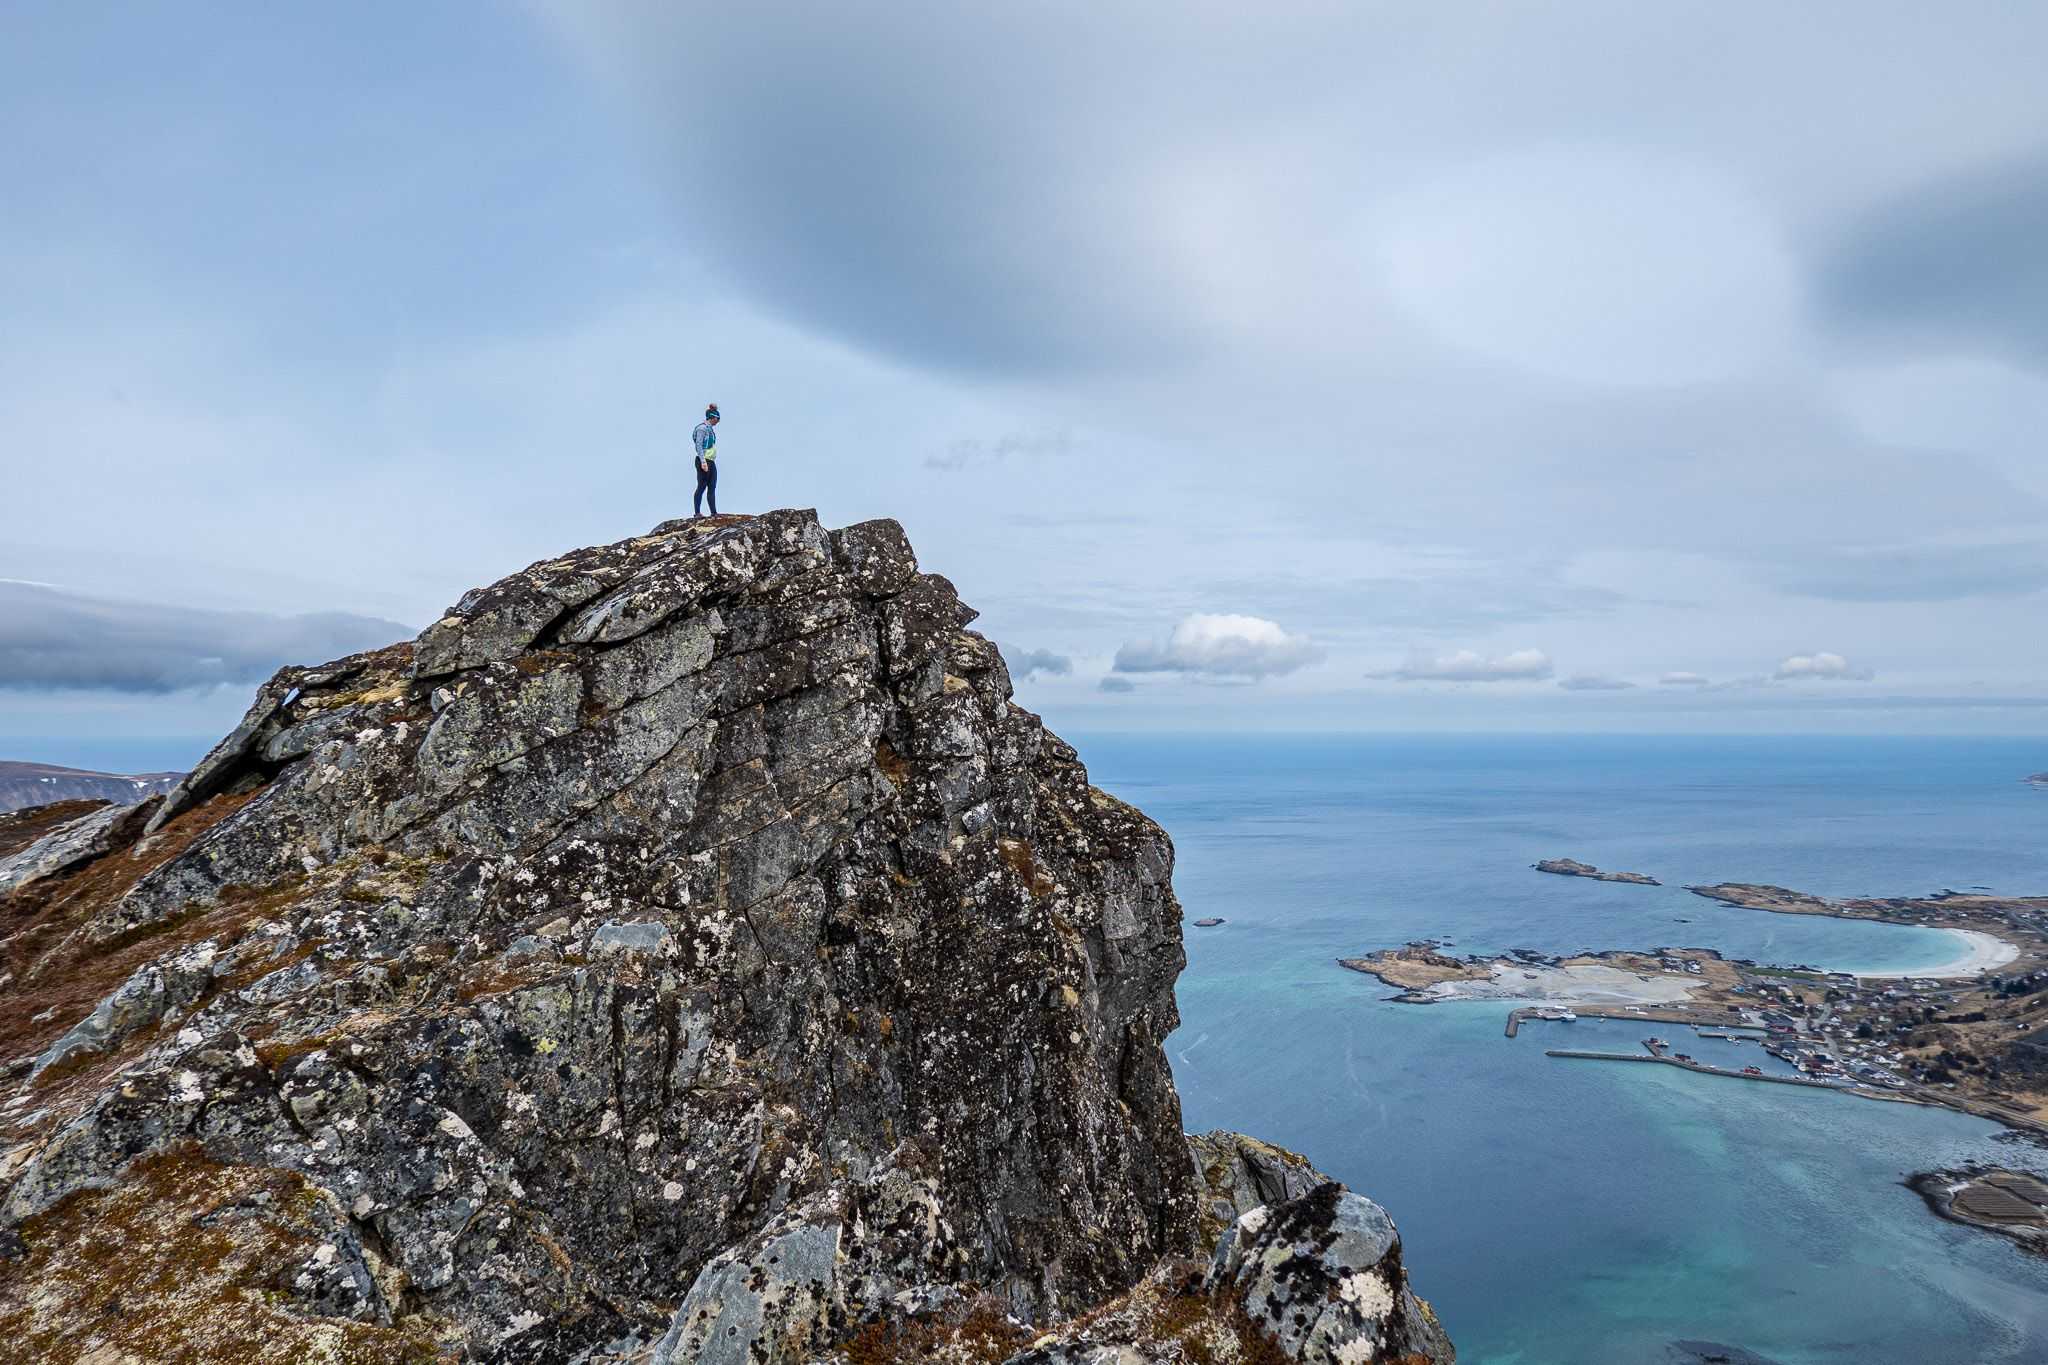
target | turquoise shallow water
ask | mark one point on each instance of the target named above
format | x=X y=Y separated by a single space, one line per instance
x=1586 y=1213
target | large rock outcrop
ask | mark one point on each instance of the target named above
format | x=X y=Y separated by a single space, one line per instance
x=685 y=950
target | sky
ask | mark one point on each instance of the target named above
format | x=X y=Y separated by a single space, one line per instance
x=1592 y=366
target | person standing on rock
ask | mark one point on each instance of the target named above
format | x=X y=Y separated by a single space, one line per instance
x=705 y=438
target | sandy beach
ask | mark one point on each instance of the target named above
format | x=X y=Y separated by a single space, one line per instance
x=1980 y=953
x=1590 y=984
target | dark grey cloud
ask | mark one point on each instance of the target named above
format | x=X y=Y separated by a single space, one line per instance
x=54 y=640
x=1594 y=682
x=1029 y=663
x=1957 y=259
x=1112 y=683
x=905 y=180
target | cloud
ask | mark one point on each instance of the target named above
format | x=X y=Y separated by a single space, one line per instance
x=1220 y=646
x=1913 y=573
x=1823 y=666
x=51 y=639
x=1289 y=397
x=1683 y=679
x=969 y=452
x=1602 y=264
x=1029 y=663
x=1593 y=682
x=1464 y=665
x=982 y=238
x=1954 y=259
x=1112 y=683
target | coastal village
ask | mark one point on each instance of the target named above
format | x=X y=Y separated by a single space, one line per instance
x=1972 y=1036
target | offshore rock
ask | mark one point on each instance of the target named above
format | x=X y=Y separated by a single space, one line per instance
x=1571 y=867
x=685 y=950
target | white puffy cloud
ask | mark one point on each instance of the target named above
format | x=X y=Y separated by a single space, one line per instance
x=1220 y=646
x=1029 y=663
x=1593 y=682
x=1464 y=665
x=1822 y=665
x=1683 y=679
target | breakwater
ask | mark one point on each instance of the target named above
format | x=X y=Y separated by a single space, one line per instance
x=1691 y=1066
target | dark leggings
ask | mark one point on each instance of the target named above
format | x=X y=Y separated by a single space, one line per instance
x=707 y=482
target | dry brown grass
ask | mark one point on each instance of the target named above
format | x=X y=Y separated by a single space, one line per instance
x=52 y=970
x=982 y=1335
x=894 y=766
x=20 y=828
x=1169 y=1314
x=499 y=976
x=1019 y=858
x=164 y=1269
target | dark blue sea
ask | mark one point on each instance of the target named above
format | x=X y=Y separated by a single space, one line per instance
x=1586 y=1213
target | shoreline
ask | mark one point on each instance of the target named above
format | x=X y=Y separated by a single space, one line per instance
x=1982 y=952
x=1954 y=1033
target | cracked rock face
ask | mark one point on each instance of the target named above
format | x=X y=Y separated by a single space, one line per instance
x=684 y=941
x=1304 y=1271
x=1235 y=1174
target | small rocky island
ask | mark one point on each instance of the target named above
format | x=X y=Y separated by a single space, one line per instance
x=1569 y=867
x=1415 y=967
x=685 y=952
x=2011 y=1203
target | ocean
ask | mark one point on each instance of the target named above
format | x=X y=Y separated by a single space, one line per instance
x=1584 y=1213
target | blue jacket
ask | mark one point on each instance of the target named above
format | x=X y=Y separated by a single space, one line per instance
x=705 y=438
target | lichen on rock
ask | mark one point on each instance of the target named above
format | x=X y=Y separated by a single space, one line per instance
x=685 y=950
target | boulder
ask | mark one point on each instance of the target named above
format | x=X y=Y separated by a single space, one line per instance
x=1235 y=1174
x=1322 y=1275
x=75 y=843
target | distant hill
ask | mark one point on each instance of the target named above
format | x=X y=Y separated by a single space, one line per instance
x=37 y=784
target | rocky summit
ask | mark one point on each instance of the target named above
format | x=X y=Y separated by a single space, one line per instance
x=684 y=951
